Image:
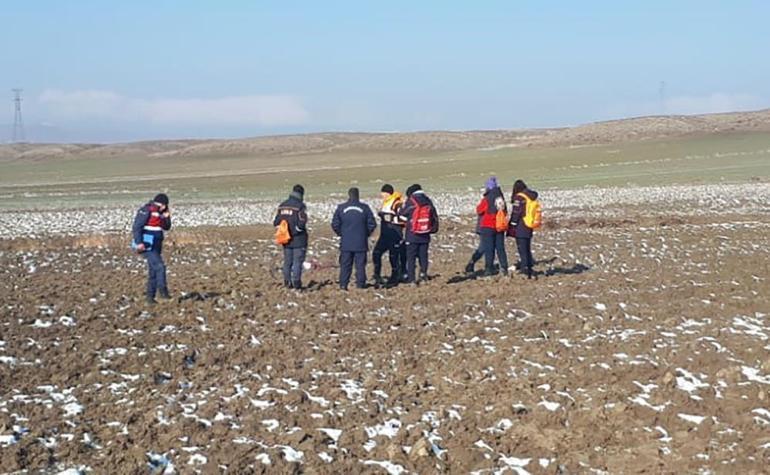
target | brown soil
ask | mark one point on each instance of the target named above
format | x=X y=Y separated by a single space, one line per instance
x=642 y=347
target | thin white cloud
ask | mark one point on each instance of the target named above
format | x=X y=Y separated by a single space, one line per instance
x=253 y=110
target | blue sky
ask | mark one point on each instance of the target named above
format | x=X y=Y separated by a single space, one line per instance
x=112 y=71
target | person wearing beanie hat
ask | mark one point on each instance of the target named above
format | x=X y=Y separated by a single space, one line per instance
x=161 y=199
x=391 y=237
x=412 y=188
x=353 y=222
x=294 y=212
x=492 y=240
x=421 y=221
x=150 y=222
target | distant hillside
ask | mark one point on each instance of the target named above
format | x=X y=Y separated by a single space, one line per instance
x=635 y=129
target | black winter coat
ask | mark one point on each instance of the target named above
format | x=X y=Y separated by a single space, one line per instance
x=519 y=209
x=294 y=212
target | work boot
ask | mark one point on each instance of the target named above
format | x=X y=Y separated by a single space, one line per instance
x=297 y=285
x=393 y=281
x=150 y=300
x=378 y=281
x=287 y=284
x=469 y=268
x=488 y=273
x=165 y=295
x=424 y=277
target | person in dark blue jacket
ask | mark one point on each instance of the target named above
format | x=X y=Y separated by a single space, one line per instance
x=353 y=222
x=417 y=237
x=150 y=222
x=523 y=232
x=293 y=211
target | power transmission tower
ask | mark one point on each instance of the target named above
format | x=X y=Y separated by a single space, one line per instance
x=18 y=121
x=662 y=97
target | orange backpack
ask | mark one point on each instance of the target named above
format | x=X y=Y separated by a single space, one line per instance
x=501 y=216
x=533 y=213
x=282 y=234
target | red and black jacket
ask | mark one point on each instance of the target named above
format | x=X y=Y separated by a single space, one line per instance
x=150 y=220
x=487 y=209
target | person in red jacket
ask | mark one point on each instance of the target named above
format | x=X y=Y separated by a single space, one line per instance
x=492 y=240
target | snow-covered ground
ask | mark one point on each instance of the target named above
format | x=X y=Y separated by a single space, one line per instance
x=583 y=202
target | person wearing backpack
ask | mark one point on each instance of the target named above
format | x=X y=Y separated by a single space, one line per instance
x=353 y=222
x=291 y=233
x=525 y=217
x=391 y=237
x=150 y=222
x=493 y=225
x=421 y=221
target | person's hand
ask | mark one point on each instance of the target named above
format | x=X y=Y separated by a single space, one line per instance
x=167 y=214
x=140 y=248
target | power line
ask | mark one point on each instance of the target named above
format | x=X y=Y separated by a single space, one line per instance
x=18 y=121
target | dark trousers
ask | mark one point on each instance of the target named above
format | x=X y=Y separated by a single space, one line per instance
x=347 y=259
x=393 y=245
x=415 y=251
x=494 y=243
x=524 y=246
x=156 y=273
x=478 y=253
x=293 y=258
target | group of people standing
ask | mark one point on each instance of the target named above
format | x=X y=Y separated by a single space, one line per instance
x=405 y=233
x=407 y=223
x=492 y=232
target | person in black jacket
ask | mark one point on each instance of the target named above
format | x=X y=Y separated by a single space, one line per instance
x=417 y=238
x=523 y=232
x=391 y=237
x=293 y=211
x=150 y=222
x=354 y=222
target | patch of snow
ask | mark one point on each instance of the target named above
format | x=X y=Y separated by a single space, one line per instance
x=389 y=429
x=752 y=374
x=390 y=467
x=197 y=459
x=691 y=418
x=72 y=409
x=334 y=434
x=551 y=406
x=291 y=455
